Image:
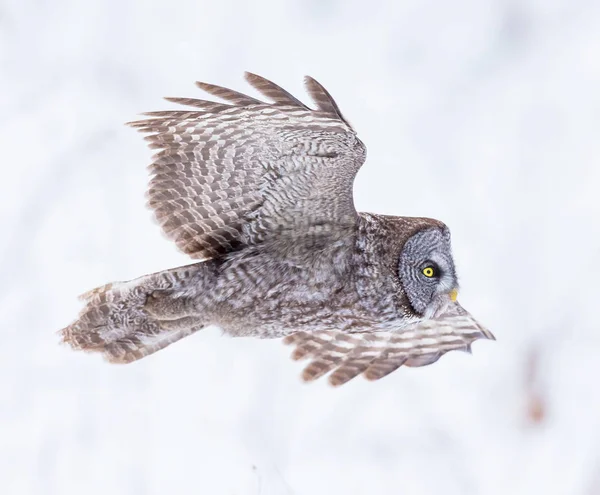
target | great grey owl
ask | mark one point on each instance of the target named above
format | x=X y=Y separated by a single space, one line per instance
x=262 y=194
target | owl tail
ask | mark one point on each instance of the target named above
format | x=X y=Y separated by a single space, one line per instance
x=117 y=323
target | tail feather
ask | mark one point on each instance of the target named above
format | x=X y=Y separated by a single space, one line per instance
x=137 y=346
x=116 y=323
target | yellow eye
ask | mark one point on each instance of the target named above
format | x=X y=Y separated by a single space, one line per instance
x=428 y=271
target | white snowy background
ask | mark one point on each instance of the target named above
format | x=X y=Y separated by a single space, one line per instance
x=485 y=114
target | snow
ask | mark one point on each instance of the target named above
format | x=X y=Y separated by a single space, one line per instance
x=484 y=114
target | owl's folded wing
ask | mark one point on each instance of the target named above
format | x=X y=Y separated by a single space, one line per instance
x=377 y=354
x=232 y=174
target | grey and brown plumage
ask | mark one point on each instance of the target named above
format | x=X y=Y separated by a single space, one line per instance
x=262 y=193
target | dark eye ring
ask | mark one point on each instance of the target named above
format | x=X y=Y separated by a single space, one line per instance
x=431 y=271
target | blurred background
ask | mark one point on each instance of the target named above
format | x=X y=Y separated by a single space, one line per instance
x=484 y=114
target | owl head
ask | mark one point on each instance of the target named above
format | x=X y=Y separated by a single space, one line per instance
x=426 y=269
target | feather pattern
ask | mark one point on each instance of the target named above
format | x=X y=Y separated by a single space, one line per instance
x=234 y=97
x=273 y=91
x=377 y=354
x=114 y=321
x=323 y=99
x=231 y=175
x=262 y=192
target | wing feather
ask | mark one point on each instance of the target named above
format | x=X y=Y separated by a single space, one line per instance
x=209 y=106
x=232 y=174
x=234 y=97
x=323 y=99
x=273 y=91
x=378 y=354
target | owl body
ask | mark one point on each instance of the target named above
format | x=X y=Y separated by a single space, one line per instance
x=345 y=279
x=263 y=194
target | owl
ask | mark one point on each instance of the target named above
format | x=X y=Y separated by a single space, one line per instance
x=260 y=194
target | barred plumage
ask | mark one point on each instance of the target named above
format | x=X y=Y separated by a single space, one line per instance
x=262 y=192
x=378 y=354
x=222 y=177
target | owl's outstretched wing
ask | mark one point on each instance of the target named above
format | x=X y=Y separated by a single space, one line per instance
x=233 y=174
x=377 y=354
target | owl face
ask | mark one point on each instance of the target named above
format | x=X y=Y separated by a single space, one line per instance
x=427 y=272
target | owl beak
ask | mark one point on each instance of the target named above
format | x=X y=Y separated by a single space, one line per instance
x=453 y=295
